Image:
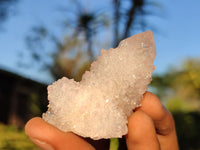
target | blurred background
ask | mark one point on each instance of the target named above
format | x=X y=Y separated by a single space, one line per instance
x=42 y=41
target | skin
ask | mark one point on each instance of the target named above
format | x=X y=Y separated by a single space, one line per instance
x=150 y=127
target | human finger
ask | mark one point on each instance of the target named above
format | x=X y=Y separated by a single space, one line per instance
x=141 y=132
x=163 y=121
x=48 y=137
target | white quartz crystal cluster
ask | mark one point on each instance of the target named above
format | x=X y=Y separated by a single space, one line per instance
x=98 y=106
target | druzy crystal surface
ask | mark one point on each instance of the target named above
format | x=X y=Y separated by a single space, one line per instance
x=99 y=105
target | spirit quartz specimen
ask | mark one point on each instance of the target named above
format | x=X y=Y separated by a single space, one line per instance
x=99 y=105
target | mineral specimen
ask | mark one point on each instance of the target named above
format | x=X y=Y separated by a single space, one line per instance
x=98 y=106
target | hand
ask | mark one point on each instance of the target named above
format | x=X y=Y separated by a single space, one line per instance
x=150 y=127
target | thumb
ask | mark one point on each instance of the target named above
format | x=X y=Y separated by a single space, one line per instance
x=48 y=137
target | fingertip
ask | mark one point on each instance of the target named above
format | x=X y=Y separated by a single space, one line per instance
x=32 y=124
x=155 y=101
x=138 y=123
x=141 y=132
x=152 y=106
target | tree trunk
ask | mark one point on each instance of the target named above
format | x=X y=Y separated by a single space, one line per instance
x=88 y=33
x=116 y=22
x=129 y=21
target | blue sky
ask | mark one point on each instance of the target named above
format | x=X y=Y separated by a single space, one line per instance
x=178 y=35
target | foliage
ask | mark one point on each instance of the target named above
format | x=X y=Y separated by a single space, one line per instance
x=182 y=82
x=33 y=104
x=179 y=89
x=83 y=26
x=7 y=8
x=12 y=138
x=187 y=82
x=114 y=144
x=132 y=18
x=88 y=24
x=187 y=127
x=177 y=104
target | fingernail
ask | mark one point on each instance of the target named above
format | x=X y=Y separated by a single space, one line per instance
x=42 y=145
